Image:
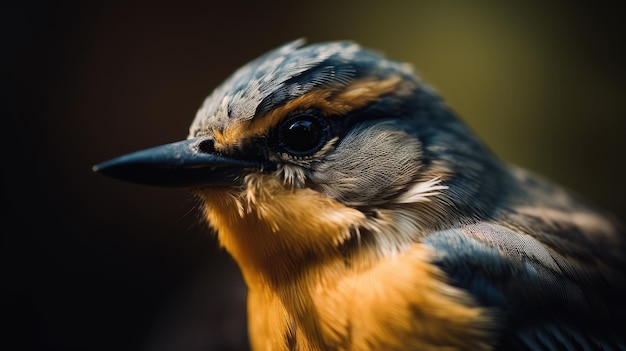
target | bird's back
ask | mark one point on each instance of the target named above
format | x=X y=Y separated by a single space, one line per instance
x=550 y=264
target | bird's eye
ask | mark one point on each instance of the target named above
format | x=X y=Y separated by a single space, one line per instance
x=302 y=134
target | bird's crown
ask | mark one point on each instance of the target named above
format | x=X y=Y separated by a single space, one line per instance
x=293 y=71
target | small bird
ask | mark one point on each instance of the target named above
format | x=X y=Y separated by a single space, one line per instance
x=365 y=215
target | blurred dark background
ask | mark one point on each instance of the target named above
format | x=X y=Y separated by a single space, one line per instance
x=89 y=263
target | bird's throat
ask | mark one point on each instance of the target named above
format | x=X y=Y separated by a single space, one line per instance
x=274 y=231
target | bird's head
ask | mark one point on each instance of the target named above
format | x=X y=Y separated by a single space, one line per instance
x=309 y=150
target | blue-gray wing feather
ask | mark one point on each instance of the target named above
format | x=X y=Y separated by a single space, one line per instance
x=546 y=301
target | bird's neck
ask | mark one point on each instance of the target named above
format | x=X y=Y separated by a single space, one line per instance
x=306 y=293
x=273 y=232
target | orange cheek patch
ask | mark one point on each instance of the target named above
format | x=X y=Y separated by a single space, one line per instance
x=328 y=100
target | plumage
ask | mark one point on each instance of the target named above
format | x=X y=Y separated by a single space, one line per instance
x=365 y=215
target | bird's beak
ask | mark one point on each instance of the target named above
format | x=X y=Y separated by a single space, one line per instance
x=180 y=164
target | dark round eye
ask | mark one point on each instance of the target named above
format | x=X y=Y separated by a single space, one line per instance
x=303 y=134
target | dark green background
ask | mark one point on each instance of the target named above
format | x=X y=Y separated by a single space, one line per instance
x=89 y=263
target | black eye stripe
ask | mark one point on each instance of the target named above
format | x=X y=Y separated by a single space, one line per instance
x=302 y=134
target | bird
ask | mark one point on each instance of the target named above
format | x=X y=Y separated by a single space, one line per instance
x=365 y=214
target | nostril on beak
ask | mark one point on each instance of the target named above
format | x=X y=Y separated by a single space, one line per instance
x=206 y=146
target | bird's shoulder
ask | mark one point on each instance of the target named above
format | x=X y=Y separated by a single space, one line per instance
x=549 y=263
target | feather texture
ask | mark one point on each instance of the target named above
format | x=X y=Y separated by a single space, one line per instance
x=365 y=215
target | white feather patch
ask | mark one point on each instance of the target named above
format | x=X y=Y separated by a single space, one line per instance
x=420 y=192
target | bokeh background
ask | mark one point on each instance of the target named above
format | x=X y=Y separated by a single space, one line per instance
x=89 y=263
